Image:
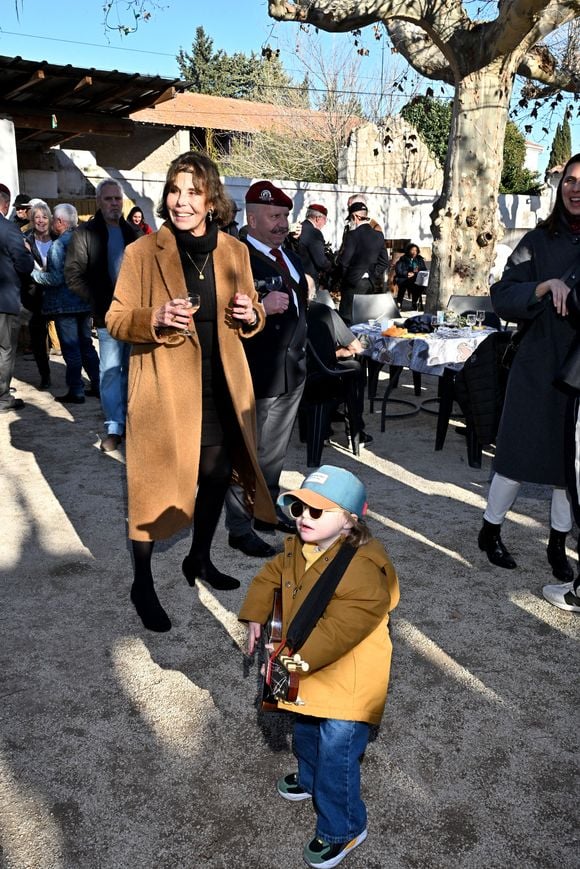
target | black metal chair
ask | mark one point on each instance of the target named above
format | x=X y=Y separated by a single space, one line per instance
x=378 y=307
x=325 y=388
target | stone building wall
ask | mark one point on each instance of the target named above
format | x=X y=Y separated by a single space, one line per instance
x=391 y=156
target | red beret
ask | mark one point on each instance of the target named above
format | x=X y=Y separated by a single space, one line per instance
x=4 y=189
x=264 y=193
x=320 y=208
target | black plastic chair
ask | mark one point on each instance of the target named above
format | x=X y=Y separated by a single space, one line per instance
x=376 y=306
x=469 y=304
x=325 y=388
x=479 y=389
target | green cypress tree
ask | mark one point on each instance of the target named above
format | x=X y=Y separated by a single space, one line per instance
x=567 y=140
x=557 y=154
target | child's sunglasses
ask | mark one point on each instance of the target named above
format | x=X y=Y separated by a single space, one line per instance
x=297 y=508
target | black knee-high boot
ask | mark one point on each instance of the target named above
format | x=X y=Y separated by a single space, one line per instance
x=143 y=593
x=214 y=480
x=556 y=551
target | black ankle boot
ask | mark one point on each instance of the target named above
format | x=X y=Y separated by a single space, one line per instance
x=194 y=567
x=149 y=609
x=490 y=542
x=556 y=551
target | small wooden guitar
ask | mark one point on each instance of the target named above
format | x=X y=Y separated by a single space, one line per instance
x=281 y=677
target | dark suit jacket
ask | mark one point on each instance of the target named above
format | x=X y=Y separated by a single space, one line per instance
x=364 y=252
x=15 y=263
x=277 y=355
x=312 y=252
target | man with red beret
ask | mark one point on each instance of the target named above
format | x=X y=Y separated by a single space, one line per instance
x=277 y=356
x=311 y=247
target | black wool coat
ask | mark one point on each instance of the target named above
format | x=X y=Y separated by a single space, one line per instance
x=530 y=442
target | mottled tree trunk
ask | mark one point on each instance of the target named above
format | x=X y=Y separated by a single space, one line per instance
x=465 y=221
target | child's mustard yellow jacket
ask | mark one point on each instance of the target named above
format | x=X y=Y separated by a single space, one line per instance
x=349 y=650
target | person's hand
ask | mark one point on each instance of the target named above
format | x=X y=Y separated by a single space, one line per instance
x=254 y=633
x=410 y=274
x=559 y=292
x=275 y=302
x=243 y=309
x=175 y=314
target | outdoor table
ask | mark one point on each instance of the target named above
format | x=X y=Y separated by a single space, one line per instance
x=441 y=353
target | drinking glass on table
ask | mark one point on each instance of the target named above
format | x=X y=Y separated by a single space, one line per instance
x=471 y=320
x=480 y=317
x=194 y=300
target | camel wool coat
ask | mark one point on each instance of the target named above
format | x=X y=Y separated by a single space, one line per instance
x=164 y=392
x=349 y=649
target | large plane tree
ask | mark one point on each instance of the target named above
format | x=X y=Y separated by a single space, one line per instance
x=480 y=59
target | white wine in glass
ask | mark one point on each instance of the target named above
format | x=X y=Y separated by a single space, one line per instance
x=194 y=300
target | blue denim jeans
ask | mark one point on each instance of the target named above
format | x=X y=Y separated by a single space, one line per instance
x=74 y=335
x=114 y=373
x=329 y=753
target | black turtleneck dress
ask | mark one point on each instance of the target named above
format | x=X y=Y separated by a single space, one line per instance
x=218 y=423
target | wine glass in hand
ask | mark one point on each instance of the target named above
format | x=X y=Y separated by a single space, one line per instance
x=194 y=300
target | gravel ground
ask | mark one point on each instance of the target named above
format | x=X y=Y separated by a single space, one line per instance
x=122 y=748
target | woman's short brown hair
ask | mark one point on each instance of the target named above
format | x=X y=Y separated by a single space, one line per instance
x=205 y=177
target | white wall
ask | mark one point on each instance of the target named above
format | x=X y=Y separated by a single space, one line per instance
x=401 y=213
x=8 y=160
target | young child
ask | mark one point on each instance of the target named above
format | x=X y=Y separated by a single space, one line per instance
x=348 y=653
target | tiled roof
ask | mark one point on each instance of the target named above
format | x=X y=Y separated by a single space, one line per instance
x=221 y=113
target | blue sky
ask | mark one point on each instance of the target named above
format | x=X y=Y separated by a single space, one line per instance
x=234 y=25
x=73 y=32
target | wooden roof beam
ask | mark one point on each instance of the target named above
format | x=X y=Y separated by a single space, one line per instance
x=67 y=122
x=34 y=79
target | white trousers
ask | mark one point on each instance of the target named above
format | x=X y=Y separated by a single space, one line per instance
x=503 y=492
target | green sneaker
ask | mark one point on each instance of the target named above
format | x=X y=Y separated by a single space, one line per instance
x=324 y=855
x=289 y=789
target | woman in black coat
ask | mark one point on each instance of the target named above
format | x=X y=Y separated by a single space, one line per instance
x=567 y=596
x=530 y=443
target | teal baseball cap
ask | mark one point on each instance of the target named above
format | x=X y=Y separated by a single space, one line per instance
x=330 y=487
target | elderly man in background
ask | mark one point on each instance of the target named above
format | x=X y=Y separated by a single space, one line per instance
x=311 y=245
x=16 y=263
x=277 y=356
x=91 y=269
x=70 y=313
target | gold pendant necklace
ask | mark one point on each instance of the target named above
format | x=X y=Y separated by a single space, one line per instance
x=200 y=274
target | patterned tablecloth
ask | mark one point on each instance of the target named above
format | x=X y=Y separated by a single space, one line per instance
x=427 y=354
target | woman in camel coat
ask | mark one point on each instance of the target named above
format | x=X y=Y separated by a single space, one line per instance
x=191 y=412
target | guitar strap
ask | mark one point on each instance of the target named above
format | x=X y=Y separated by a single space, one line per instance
x=318 y=598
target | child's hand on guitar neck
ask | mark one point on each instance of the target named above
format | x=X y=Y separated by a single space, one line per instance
x=254 y=634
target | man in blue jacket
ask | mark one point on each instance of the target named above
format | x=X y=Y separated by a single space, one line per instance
x=16 y=262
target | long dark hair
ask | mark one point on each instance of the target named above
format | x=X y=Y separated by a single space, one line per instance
x=205 y=177
x=559 y=212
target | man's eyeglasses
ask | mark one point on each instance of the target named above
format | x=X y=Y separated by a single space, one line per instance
x=297 y=508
